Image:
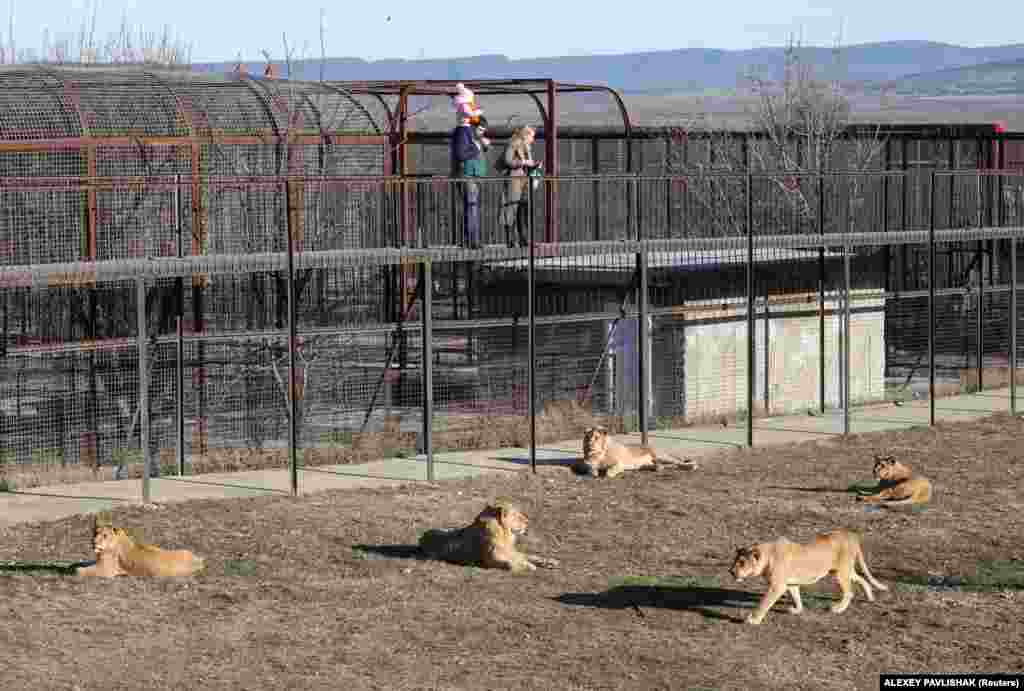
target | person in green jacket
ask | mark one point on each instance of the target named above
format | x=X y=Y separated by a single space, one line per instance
x=468 y=162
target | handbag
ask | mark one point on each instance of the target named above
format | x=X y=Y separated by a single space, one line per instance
x=535 y=174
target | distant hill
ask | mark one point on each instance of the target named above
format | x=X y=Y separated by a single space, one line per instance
x=988 y=78
x=905 y=64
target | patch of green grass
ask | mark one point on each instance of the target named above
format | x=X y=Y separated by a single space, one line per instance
x=126 y=456
x=338 y=437
x=812 y=600
x=47 y=456
x=988 y=576
x=6 y=485
x=8 y=456
x=681 y=582
x=998 y=575
x=240 y=567
x=912 y=585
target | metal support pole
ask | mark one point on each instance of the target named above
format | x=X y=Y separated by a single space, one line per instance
x=293 y=423
x=821 y=294
x=1013 y=326
x=847 y=251
x=644 y=337
x=179 y=350
x=931 y=304
x=980 y=326
x=981 y=318
x=904 y=270
x=427 y=286
x=595 y=168
x=531 y=294
x=887 y=250
x=551 y=167
x=751 y=341
x=143 y=345
x=179 y=412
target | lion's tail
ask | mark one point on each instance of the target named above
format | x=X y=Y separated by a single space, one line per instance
x=864 y=567
x=198 y=565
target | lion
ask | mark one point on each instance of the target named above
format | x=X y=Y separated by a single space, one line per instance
x=899 y=485
x=602 y=454
x=119 y=554
x=788 y=565
x=490 y=541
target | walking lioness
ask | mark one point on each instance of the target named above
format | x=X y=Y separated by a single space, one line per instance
x=788 y=565
x=602 y=454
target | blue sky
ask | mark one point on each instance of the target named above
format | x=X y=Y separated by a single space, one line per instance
x=219 y=30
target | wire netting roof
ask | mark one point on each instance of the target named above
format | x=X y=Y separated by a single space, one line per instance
x=43 y=102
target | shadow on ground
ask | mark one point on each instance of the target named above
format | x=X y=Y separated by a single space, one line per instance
x=697 y=599
x=389 y=551
x=862 y=488
x=821 y=490
x=567 y=460
x=63 y=568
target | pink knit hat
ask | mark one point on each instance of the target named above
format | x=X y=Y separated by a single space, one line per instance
x=465 y=103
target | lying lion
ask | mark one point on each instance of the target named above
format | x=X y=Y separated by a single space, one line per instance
x=490 y=541
x=900 y=487
x=602 y=454
x=118 y=554
x=787 y=566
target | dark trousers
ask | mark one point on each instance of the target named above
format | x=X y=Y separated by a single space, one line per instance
x=471 y=213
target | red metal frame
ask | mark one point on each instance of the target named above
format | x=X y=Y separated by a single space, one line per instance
x=534 y=88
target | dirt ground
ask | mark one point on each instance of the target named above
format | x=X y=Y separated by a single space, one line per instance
x=324 y=592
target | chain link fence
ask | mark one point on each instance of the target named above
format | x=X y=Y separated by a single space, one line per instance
x=325 y=321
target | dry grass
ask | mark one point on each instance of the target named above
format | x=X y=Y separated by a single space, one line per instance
x=557 y=421
x=325 y=592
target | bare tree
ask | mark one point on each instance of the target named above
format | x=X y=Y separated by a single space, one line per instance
x=798 y=128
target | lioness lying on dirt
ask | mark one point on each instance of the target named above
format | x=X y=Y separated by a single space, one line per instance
x=788 y=565
x=490 y=541
x=602 y=454
x=900 y=487
x=118 y=554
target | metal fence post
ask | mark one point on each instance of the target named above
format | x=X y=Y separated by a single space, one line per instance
x=643 y=333
x=427 y=321
x=751 y=341
x=143 y=345
x=293 y=456
x=821 y=292
x=531 y=373
x=931 y=303
x=1013 y=326
x=980 y=326
x=846 y=331
x=179 y=350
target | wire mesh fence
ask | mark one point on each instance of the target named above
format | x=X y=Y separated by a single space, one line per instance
x=323 y=321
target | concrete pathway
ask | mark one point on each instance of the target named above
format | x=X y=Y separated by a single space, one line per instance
x=59 y=501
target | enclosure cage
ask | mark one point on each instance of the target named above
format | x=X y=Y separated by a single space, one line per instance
x=123 y=166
